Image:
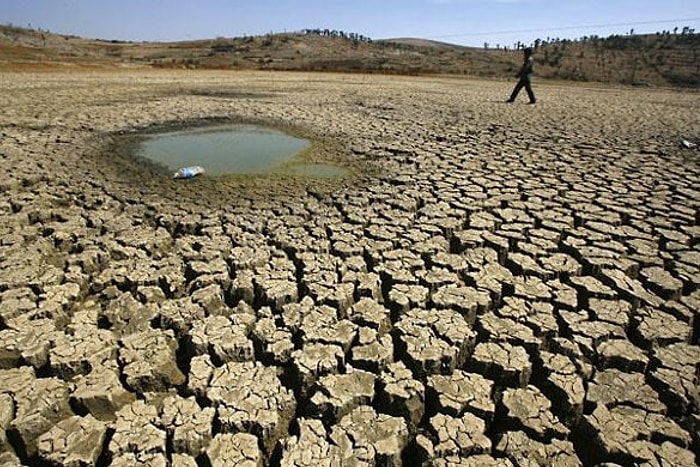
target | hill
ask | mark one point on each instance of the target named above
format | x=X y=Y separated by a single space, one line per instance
x=662 y=59
x=416 y=42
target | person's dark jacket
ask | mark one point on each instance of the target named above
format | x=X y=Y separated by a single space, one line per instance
x=526 y=70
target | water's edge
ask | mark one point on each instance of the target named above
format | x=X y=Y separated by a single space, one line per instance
x=233 y=149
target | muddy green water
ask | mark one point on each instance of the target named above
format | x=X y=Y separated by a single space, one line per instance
x=234 y=149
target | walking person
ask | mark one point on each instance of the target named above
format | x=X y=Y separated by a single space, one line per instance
x=524 y=77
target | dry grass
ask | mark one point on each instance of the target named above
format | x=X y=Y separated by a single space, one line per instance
x=655 y=60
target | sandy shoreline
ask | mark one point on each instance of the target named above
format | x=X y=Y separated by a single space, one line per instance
x=497 y=283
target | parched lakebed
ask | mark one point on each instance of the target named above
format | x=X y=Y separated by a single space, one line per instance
x=491 y=285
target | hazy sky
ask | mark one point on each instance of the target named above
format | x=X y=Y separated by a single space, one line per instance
x=469 y=22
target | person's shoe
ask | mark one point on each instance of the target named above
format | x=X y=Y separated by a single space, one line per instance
x=510 y=101
x=532 y=102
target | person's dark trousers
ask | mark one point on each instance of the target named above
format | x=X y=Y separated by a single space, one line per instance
x=528 y=87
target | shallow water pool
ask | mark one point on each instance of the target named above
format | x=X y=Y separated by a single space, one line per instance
x=233 y=149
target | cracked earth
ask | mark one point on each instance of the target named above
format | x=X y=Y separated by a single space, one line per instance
x=492 y=285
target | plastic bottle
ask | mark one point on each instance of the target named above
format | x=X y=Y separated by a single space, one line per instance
x=188 y=172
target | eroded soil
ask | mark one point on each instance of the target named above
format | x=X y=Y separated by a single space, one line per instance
x=495 y=285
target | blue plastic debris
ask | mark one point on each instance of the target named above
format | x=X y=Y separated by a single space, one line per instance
x=189 y=172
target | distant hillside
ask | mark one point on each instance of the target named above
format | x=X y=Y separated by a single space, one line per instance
x=416 y=42
x=662 y=59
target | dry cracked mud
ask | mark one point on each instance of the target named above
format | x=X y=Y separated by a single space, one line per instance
x=491 y=285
